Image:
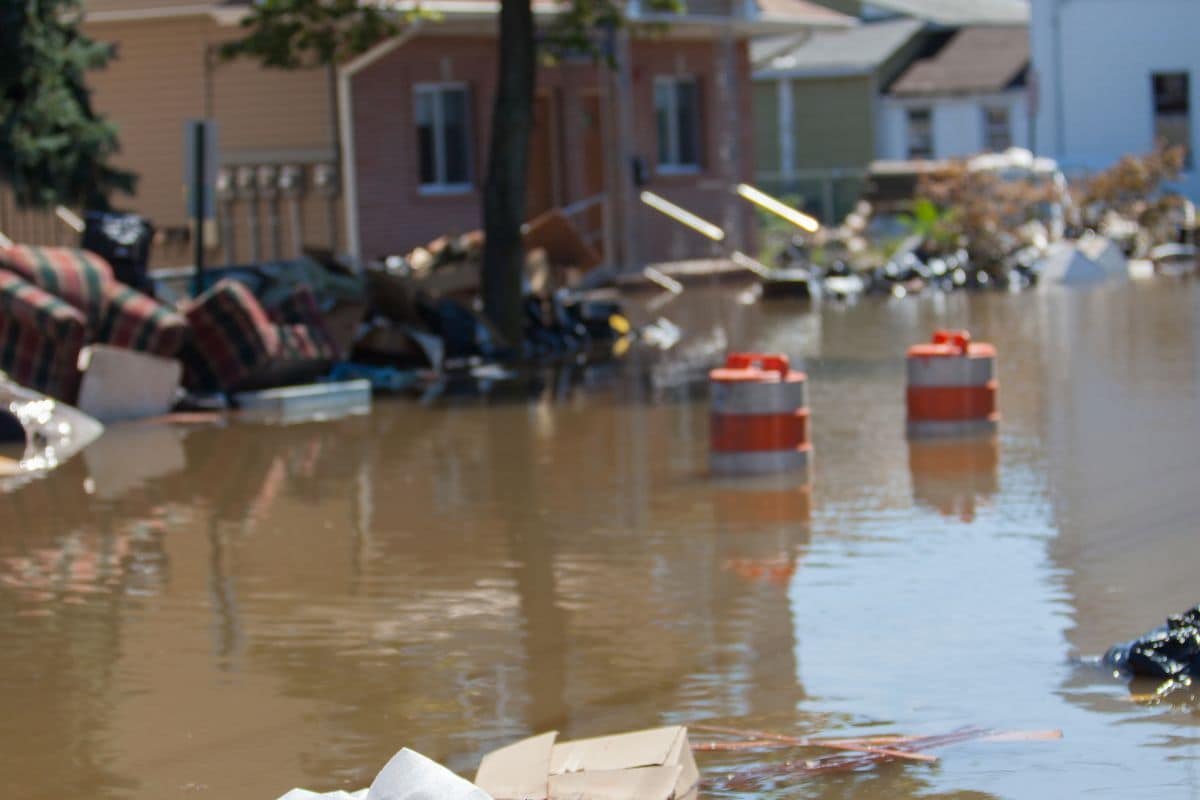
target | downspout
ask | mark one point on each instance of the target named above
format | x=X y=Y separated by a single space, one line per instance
x=349 y=170
x=335 y=136
x=1060 y=135
x=346 y=119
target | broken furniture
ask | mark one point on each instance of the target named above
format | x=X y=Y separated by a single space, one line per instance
x=236 y=345
x=57 y=300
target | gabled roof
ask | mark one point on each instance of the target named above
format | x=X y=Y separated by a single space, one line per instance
x=857 y=51
x=956 y=13
x=974 y=60
x=805 y=10
x=782 y=15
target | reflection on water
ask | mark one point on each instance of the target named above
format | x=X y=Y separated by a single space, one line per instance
x=954 y=476
x=231 y=610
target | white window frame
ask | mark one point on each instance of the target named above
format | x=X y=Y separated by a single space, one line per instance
x=437 y=90
x=987 y=131
x=673 y=165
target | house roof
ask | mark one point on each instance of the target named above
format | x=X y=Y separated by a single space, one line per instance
x=811 y=12
x=956 y=13
x=783 y=14
x=858 y=50
x=974 y=60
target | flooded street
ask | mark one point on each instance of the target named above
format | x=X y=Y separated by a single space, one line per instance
x=231 y=611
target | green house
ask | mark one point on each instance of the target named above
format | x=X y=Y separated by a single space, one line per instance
x=820 y=100
x=816 y=108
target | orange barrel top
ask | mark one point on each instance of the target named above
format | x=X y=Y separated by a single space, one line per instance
x=951 y=359
x=757 y=383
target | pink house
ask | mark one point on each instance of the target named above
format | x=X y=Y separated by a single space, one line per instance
x=673 y=117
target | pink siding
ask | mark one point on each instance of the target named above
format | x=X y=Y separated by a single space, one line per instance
x=394 y=216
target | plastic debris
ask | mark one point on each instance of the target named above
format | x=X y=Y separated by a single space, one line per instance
x=408 y=776
x=1170 y=652
x=51 y=432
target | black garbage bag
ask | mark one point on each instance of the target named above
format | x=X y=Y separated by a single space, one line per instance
x=1169 y=652
x=123 y=240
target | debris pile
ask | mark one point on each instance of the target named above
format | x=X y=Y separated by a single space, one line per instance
x=997 y=221
x=71 y=329
x=653 y=764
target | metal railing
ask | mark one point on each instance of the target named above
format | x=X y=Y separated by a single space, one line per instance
x=50 y=227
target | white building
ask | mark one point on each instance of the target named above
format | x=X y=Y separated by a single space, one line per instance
x=1112 y=76
x=967 y=97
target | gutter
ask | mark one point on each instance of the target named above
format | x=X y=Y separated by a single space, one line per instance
x=346 y=123
x=223 y=15
x=814 y=72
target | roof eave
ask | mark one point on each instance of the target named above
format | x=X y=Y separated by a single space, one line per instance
x=856 y=71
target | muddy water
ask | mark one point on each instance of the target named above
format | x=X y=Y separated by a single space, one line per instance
x=229 y=611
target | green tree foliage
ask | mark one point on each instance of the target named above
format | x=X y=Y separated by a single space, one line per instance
x=54 y=148
x=293 y=34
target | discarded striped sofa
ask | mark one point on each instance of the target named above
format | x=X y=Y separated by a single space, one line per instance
x=236 y=344
x=55 y=300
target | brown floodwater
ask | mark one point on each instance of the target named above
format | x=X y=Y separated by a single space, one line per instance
x=231 y=610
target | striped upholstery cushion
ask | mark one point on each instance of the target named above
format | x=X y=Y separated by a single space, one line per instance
x=40 y=338
x=116 y=314
x=303 y=326
x=138 y=322
x=81 y=278
x=232 y=338
x=305 y=343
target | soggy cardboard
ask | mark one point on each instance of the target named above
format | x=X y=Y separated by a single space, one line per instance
x=520 y=771
x=654 y=764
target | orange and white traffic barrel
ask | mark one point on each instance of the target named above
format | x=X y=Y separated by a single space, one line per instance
x=759 y=420
x=952 y=386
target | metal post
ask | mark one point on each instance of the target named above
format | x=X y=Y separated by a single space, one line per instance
x=199 y=203
x=830 y=214
x=626 y=191
x=227 y=192
x=730 y=130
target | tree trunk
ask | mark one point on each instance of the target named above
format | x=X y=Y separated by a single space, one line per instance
x=504 y=191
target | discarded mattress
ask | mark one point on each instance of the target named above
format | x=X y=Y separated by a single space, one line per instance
x=1167 y=653
x=48 y=432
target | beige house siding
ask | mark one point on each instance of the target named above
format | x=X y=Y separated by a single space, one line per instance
x=104 y=6
x=159 y=80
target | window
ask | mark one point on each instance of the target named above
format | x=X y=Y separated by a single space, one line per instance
x=997 y=132
x=677 y=110
x=920 y=133
x=1172 y=111
x=443 y=137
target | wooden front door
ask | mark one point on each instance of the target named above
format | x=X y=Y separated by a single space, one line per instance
x=591 y=128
